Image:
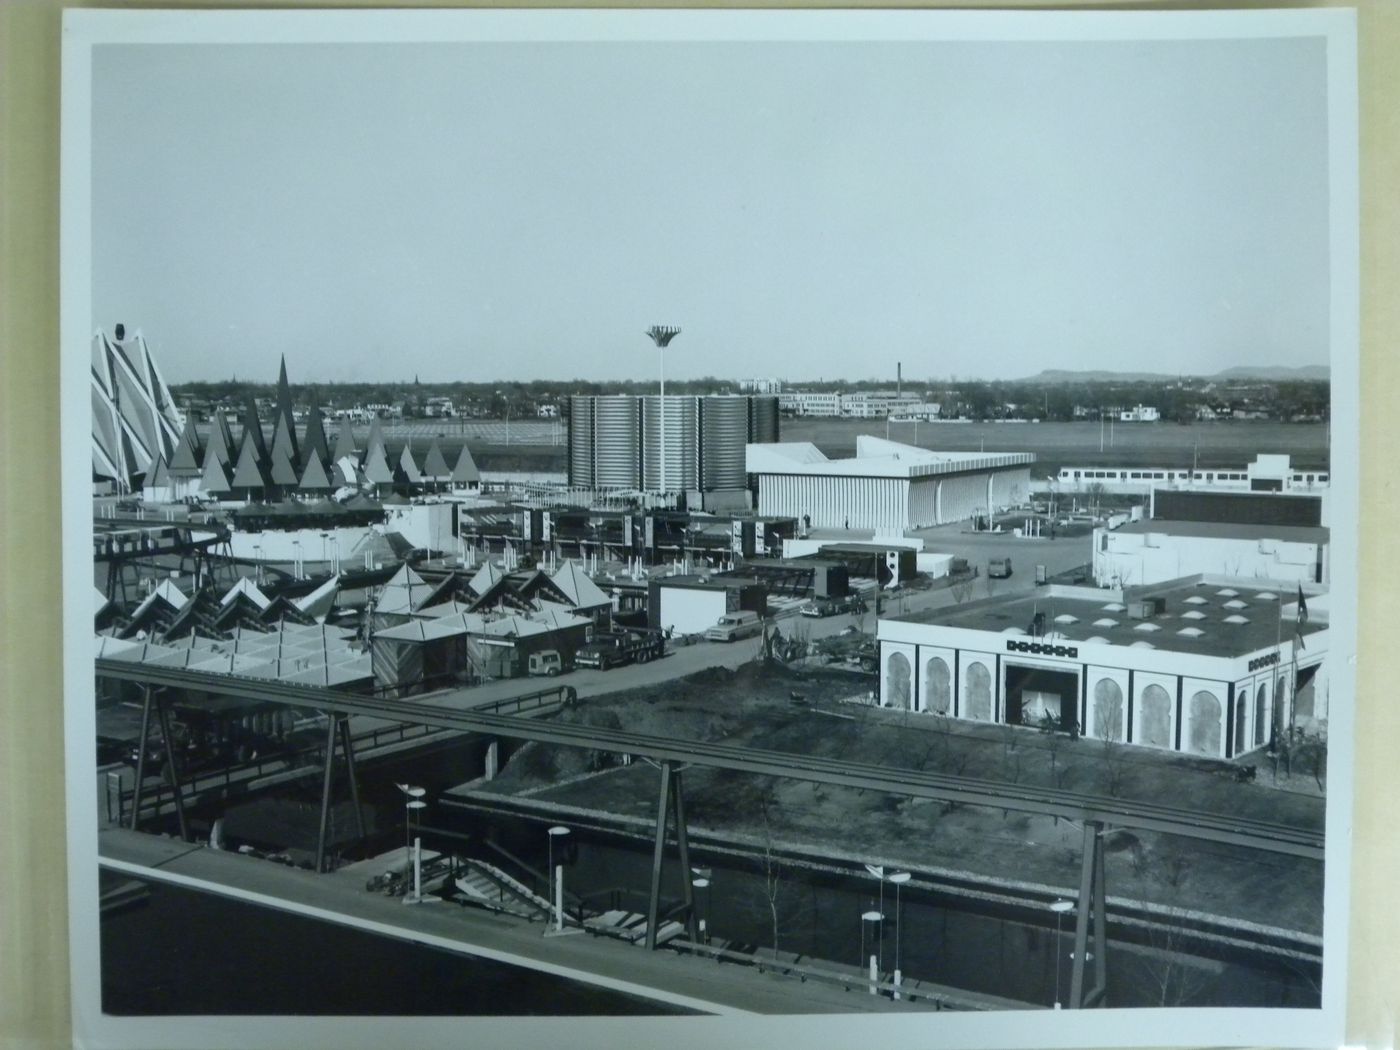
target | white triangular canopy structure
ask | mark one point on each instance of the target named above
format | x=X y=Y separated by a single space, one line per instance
x=134 y=417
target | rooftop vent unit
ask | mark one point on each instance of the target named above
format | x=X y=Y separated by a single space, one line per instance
x=1145 y=608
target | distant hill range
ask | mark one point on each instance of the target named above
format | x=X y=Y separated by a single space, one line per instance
x=1273 y=373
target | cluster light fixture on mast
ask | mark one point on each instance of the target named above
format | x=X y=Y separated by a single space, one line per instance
x=662 y=335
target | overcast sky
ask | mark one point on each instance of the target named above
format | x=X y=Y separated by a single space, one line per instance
x=504 y=211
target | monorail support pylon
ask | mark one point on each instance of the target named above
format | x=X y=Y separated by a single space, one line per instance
x=672 y=801
x=1091 y=899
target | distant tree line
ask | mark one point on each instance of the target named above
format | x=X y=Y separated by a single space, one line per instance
x=1183 y=400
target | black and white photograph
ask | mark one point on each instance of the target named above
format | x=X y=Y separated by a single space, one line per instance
x=709 y=526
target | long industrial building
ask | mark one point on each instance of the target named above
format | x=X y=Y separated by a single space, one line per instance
x=671 y=444
x=887 y=486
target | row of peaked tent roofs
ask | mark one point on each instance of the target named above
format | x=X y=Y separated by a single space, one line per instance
x=254 y=468
x=246 y=632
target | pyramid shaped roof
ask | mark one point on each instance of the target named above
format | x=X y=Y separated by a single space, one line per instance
x=314 y=478
x=185 y=461
x=319 y=603
x=485 y=578
x=581 y=591
x=408 y=468
x=284 y=440
x=157 y=476
x=376 y=465
x=376 y=438
x=284 y=397
x=214 y=480
x=404 y=592
x=220 y=444
x=344 y=442
x=253 y=428
x=434 y=464
x=465 y=472
x=313 y=442
x=247 y=589
x=284 y=470
x=249 y=472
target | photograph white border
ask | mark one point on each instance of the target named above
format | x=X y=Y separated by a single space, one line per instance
x=1180 y=1026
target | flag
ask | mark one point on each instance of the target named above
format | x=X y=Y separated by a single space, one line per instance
x=1302 y=619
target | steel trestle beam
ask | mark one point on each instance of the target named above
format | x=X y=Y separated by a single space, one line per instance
x=1083 y=808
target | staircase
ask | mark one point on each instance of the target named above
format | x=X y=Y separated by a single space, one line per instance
x=488 y=886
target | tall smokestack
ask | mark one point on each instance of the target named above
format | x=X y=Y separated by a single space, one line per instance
x=898 y=378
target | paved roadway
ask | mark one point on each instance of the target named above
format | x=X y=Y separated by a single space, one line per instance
x=340 y=897
x=1057 y=555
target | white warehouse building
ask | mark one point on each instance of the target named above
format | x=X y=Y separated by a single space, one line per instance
x=1150 y=551
x=1207 y=665
x=886 y=486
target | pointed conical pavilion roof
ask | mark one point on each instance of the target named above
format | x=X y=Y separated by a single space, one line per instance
x=434 y=465
x=158 y=475
x=375 y=439
x=344 y=442
x=252 y=428
x=185 y=462
x=313 y=443
x=220 y=444
x=465 y=472
x=376 y=462
x=214 y=481
x=284 y=440
x=314 y=478
x=248 y=474
x=284 y=397
x=408 y=468
x=284 y=470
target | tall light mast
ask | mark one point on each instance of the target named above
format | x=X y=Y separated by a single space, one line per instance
x=662 y=335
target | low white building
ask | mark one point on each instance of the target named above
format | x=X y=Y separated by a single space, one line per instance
x=1139 y=414
x=1153 y=550
x=886 y=486
x=1208 y=665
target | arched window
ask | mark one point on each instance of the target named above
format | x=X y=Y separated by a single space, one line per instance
x=979 y=692
x=897 y=681
x=1261 y=715
x=938 y=695
x=1108 y=710
x=1155 y=718
x=1241 y=720
x=1205 y=724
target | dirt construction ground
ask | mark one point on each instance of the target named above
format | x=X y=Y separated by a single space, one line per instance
x=778 y=708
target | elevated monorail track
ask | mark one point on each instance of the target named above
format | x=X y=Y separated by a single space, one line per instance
x=1088 y=809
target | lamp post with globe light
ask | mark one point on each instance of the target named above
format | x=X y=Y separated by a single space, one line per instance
x=1059 y=907
x=875 y=918
x=899 y=878
x=702 y=882
x=556 y=873
x=413 y=847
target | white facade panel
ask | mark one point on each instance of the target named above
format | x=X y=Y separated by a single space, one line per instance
x=1153 y=711
x=898 y=688
x=935 y=679
x=1106 y=705
x=1132 y=559
x=690 y=610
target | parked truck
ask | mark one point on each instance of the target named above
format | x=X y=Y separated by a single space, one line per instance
x=621 y=647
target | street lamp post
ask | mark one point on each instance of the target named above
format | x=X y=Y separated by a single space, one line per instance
x=899 y=878
x=558 y=831
x=875 y=918
x=1059 y=907
x=413 y=847
x=702 y=882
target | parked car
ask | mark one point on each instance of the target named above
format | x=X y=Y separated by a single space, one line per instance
x=830 y=606
x=733 y=626
x=546 y=662
x=999 y=568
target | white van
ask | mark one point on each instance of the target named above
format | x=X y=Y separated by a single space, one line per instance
x=733 y=626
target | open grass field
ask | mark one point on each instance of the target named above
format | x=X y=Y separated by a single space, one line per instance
x=1064 y=444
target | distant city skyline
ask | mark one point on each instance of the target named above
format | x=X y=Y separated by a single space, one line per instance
x=489 y=212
